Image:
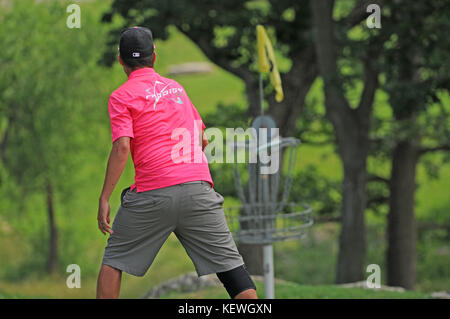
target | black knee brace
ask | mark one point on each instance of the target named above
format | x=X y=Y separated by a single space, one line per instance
x=236 y=280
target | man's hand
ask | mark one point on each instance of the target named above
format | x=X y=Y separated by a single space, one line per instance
x=116 y=163
x=103 y=217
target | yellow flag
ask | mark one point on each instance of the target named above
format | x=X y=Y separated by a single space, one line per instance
x=267 y=62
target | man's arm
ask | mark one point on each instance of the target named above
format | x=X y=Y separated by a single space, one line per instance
x=116 y=163
x=204 y=140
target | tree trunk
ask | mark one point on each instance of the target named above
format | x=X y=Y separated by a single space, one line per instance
x=52 y=259
x=401 y=252
x=352 y=133
x=353 y=143
x=252 y=94
x=352 y=241
x=296 y=85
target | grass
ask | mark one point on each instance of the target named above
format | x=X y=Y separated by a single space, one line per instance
x=171 y=261
x=283 y=290
x=290 y=290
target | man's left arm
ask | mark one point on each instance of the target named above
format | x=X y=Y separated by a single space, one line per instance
x=116 y=164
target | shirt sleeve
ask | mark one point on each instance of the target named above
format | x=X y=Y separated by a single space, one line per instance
x=197 y=116
x=121 y=120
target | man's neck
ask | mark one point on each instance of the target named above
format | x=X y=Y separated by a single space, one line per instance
x=128 y=71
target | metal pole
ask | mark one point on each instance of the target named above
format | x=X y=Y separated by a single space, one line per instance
x=261 y=93
x=269 y=289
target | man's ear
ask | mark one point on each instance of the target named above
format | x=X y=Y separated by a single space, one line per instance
x=154 y=58
x=120 y=59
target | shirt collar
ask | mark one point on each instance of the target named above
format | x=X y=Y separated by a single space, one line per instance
x=141 y=72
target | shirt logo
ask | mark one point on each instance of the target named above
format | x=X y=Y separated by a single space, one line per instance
x=177 y=100
x=161 y=89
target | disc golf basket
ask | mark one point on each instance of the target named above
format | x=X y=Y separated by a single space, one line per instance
x=265 y=215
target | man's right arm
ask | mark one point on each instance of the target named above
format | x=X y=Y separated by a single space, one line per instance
x=116 y=164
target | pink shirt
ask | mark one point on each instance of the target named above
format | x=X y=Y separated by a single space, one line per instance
x=165 y=129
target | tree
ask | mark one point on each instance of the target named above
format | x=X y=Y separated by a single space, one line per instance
x=417 y=71
x=44 y=115
x=351 y=127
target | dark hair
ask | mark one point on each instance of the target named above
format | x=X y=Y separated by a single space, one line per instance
x=139 y=62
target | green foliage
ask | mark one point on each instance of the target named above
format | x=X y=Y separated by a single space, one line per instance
x=49 y=112
x=224 y=30
x=227 y=115
x=433 y=251
x=44 y=86
x=319 y=191
x=416 y=62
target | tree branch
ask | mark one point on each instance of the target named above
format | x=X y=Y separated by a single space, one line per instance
x=424 y=150
x=223 y=61
x=316 y=143
x=296 y=84
x=432 y=226
x=377 y=200
x=379 y=179
x=327 y=219
x=322 y=13
x=219 y=59
x=359 y=13
x=368 y=94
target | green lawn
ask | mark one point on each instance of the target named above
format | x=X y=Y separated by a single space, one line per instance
x=283 y=290
x=290 y=290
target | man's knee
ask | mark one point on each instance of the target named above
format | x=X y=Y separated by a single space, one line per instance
x=237 y=281
x=109 y=269
x=247 y=294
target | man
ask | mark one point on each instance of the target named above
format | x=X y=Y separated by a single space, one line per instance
x=173 y=189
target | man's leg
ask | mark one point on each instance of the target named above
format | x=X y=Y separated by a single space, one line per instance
x=203 y=231
x=238 y=283
x=247 y=294
x=108 y=283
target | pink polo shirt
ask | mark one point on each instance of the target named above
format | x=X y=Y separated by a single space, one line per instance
x=164 y=128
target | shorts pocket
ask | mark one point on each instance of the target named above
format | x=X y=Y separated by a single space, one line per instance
x=122 y=195
x=221 y=199
x=145 y=202
x=210 y=200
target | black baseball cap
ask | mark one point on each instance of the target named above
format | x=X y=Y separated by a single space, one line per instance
x=136 y=43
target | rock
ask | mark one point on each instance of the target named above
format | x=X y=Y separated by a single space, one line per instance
x=190 y=68
x=190 y=282
x=185 y=283
x=441 y=294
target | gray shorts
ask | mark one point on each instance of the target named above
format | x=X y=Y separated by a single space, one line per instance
x=193 y=211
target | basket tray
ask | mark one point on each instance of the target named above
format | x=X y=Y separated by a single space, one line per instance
x=261 y=224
